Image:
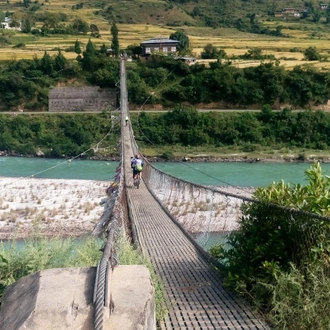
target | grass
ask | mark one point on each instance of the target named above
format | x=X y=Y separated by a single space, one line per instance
x=300 y=299
x=22 y=258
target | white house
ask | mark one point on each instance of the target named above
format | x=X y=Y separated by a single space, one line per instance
x=6 y=24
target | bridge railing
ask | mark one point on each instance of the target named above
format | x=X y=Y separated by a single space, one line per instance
x=112 y=224
x=210 y=214
x=202 y=211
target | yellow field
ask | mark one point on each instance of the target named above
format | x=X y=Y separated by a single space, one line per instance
x=287 y=50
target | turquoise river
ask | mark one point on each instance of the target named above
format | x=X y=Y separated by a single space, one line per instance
x=217 y=173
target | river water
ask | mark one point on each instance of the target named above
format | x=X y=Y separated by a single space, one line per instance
x=218 y=173
x=232 y=173
x=57 y=168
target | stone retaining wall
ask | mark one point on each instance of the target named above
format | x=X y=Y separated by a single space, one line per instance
x=81 y=99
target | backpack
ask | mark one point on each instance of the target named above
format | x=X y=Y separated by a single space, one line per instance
x=139 y=167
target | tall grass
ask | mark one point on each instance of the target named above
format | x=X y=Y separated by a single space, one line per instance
x=22 y=258
x=300 y=300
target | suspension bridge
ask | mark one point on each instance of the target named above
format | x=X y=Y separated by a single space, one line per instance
x=196 y=298
x=171 y=221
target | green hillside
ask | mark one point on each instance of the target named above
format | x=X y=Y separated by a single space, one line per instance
x=166 y=13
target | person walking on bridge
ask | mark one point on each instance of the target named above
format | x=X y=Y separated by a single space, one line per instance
x=137 y=166
x=126 y=120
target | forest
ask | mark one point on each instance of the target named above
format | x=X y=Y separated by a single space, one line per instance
x=59 y=135
x=162 y=80
x=67 y=135
x=185 y=126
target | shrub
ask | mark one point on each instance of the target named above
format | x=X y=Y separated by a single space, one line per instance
x=279 y=258
x=19 y=45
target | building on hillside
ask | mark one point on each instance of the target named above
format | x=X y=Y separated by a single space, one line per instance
x=159 y=45
x=278 y=14
x=82 y=99
x=323 y=6
x=291 y=13
x=6 y=24
x=187 y=59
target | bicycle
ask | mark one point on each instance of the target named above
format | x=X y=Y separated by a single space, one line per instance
x=137 y=180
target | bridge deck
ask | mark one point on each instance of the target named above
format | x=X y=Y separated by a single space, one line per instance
x=196 y=297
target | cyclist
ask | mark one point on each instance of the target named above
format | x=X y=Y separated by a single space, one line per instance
x=137 y=166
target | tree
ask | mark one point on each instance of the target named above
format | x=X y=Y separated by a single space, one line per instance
x=311 y=54
x=115 y=40
x=2 y=16
x=47 y=64
x=15 y=21
x=134 y=50
x=80 y=26
x=316 y=16
x=26 y=25
x=94 y=31
x=51 y=20
x=277 y=249
x=77 y=48
x=253 y=53
x=209 y=51
x=90 y=49
x=89 y=56
x=252 y=18
x=196 y=12
x=27 y=3
x=184 y=45
x=103 y=50
x=60 y=61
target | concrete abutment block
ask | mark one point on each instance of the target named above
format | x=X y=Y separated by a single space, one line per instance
x=131 y=299
x=62 y=298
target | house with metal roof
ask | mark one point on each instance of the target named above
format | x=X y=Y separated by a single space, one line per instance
x=159 y=45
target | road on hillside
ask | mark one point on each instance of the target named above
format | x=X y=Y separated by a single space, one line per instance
x=13 y=113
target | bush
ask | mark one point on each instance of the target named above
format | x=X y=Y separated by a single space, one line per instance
x=167 y=155
x=19 y=45
x=279 y=258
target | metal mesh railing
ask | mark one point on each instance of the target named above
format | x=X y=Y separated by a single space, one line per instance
x=209 y=214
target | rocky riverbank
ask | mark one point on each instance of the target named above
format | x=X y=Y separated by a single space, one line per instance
x=246 y=159
x=49 y=206
x=287 y=158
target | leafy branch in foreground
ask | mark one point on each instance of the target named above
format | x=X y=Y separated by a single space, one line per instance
x=279 y=259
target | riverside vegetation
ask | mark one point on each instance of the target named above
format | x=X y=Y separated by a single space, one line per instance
x=280 y=262
x=22 y=258
x=182 y=132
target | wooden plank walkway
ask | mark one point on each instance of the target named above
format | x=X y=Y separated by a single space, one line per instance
x=196 y=297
